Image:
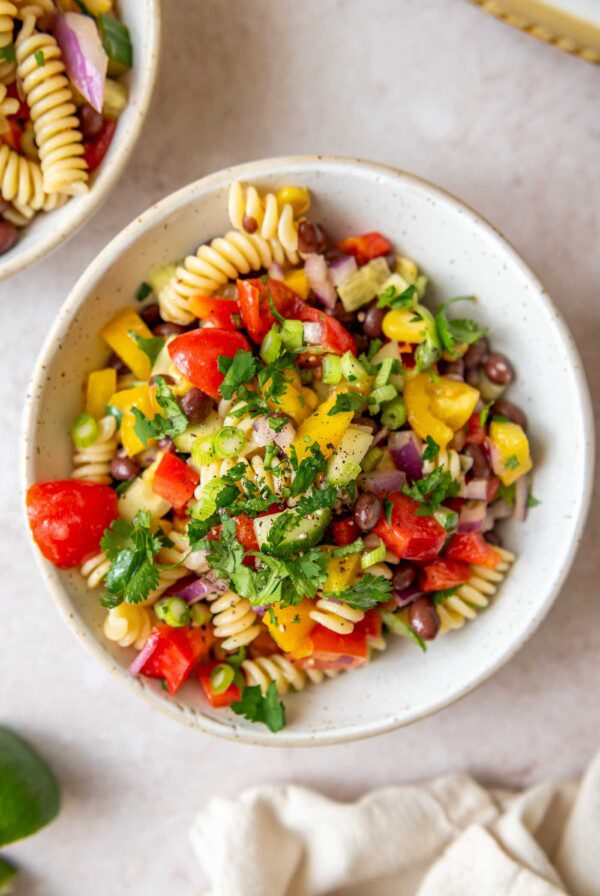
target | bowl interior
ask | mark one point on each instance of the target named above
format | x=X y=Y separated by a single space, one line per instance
x=50 y=230
x=461 y=255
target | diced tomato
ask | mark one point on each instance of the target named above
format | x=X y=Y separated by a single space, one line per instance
x=245 y=532
x=174 y=480
x=336 y=338
x=217 y=700
x=418 y=538
x=471 y=547
x=68 y=518
x=254 y=299
x=345 y=531
x=475 y=431
x=216 y=311
x=333 y=651
x=443 y=573
x=96 y=149
x=23 y=110
x=371 y=625
x=196 y=355
x=176 y=653
x=365 y=247
x=493 y=484
x=12 y=137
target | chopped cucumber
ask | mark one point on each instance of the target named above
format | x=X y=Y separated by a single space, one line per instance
x=362 y=286
x=303 y=534
x=345 y=463
x=139 y=496
x=390 y=350
x=397 y=281
x=163 y=359
x=207 y=428
x=116 y=98
x=160 y=277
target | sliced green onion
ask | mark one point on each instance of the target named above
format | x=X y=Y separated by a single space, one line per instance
x=203 y=451
x=200 y=614
x=373 y=557
x=172 y=610
x=394 y=413
x=383 y=374
x=116 y=42
x=371 y=459
x=352 y=368
x=207 y=504
x=332 y=369
x=85 y=431
x=292 y=334
x=271 y=346
x=221 y=678
x=384 y=393
x=228 y=441
x=346 y=474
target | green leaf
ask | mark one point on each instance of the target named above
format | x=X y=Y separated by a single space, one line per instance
x=308 y=470
x=7 y=875
x=365 y=593
x=484 y=414
x=7 y=53
x=142 y=292
x=29 y=794
x=151 y=345
x=237 y=370
x=432 y=490
x=172 y=424
x=40 y=58
x=131 y=548
x=390 y=298
x=432 y=449
x=438 y=597
x=388 y=506
x=512 y=462
x=507 y=493
x=347 y=550
x=454 y=333
x=268 y=710
x=532 y=502
x=346 y=401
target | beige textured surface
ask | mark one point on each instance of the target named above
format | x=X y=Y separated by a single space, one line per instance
x=436 y=88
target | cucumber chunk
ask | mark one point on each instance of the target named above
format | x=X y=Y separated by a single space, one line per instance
x=305 y=533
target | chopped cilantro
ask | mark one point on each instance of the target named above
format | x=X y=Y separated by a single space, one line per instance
x=388 y=506
x=461 y=331
x=7 y=53
x=512 y=462
x=438 y=597
x=348 y=549
x=131 y=548
x=268 y=710
x=365 y=593
x=172 y=424
x=308 y=470
x=142 y=292
x=532 y=501
x=237 y=370
x=432 y=490
x=507 y=493
x=484 y=414
x=346 y=401
x=432 y=449
x=374 y=346
x=40 y=58
x=151 y=345
x=274 y=310
x=390 y=298
x=498 y=418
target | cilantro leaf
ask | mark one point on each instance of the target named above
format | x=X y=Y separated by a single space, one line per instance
x=308 y=470
x=365 y=593
x=237 y=370
x=142 y=292
x=507 y=493
x=346 y=401
x=432 y=449
x=131 y=548
x=172 y=424
x=532 y=501
x=484 y=414
x=348 y=549
x=151 y=345
x=461 y=331
x=268 y=710
x=388 y=506
x=391 y=298
x=512 y=462
x=432 y=490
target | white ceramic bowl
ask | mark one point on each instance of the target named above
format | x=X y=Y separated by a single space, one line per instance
x=461 y=253
x=50 y=230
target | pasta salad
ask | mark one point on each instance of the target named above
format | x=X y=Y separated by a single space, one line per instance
x=60 y=98
x=287 y=458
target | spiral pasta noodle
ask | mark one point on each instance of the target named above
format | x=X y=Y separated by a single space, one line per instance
x=129 y=625
x=8 y=104
x=52 y=111
x=21 y=183
x=8 y=13
x=336 y=615
x=278 y=668
x=474 y=595
x=93 y=463
x=235 y=622
x=94 y=569
x=225 y=258
x=251 y=213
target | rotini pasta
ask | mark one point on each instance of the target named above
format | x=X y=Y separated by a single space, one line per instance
x=93 y=463
x=21 y=183
x=251 y=213
x=236 y=623
x=336 y=616
x=128 y=625
x=8 y=13
x=265 y=669
x=474 y=595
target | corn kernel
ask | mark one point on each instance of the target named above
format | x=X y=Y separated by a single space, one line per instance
x=297 y=197
x=400 y=324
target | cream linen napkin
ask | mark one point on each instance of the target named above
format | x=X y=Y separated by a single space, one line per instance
x=448 y=837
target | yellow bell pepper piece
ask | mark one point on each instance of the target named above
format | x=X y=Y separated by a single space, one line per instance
x=98 y=6
x=141 y=397
x=402 y=326
x=116 y=334
x=417 y=395
x=296 y=280
x=512 y=459
x=341 y=573
x=101 y=385
x=326 y=431
x=291 y=402
x=290 y=627
x=297 y=197
x=453 y=402
x=310 y=397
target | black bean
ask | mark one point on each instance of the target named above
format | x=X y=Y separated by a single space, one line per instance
x=168 y=329
x=117 y=364
x=480 y=468
x=362 y=342
x=166 y=444
x=91 y=121
x=150 y=314
x=493 y=538
x=498 y=369
x=476 y=353
x=424 y=619
x=504 y=408
x=311 y=238
x=196 y=405
x=347 y=318
x=404 y=576
x=391 y=260
x=8 y=236
x=249 y=224
x=367 y=511
x=123 y=468
x=473 y=377
x=454 y=369
x=372 y=324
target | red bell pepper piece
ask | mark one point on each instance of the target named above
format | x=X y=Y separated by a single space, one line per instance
x=217 y=700
x=333 y=651
x=413 y=537
x=336 y=338
x=371 y=625
x=443 y=573
x=174 y=480
x=196 y=355
x=68 y=518
x=176 y=653
x=246 y=535
x=254 y=298
x=365 y=247
x=216 y=311
x=475 y=431
x=345 y=531
x=96 y=149
x=471 y=547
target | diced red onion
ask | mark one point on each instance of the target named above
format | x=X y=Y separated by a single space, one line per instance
x=383 y=481
x=84 y=56
x=263 y=433
x=313 y=333
x=381 y=435
x=207 y=586
x=144 y=654
x=488 y=523
x=341 y=268
x=475 y=490
x=521 y=495
x=405 y=448
x=284 y=438
x=500 y=510
x=260 y=610
x=317 y=274
x=471 y=516
x=405 y=596
x=275 y=271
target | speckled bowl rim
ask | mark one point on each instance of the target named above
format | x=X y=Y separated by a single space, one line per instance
x=78 y=297
x=17 y=261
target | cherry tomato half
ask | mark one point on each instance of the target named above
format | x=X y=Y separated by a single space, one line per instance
x=413 y=537
x=471 y=547
x=254 y=298
x=365 y=247
x=443 y=573
x=196 y=355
